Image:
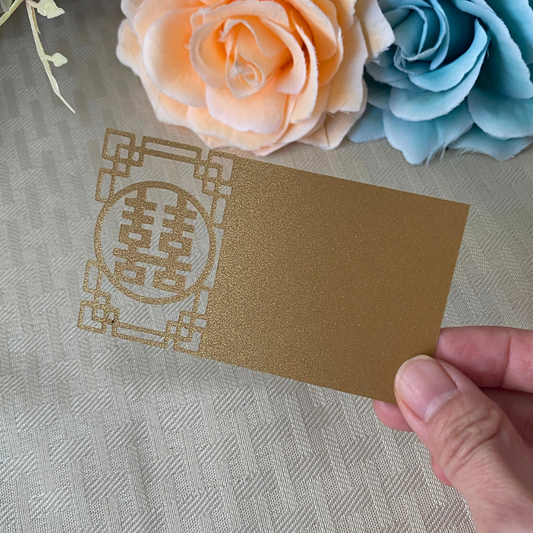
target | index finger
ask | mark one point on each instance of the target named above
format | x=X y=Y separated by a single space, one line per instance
x=492 y=357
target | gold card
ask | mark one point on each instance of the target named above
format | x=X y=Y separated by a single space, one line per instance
x=314 y=278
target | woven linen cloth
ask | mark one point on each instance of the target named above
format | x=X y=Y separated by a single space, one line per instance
x=103 y=434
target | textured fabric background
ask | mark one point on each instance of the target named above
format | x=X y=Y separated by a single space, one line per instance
x=102 y=434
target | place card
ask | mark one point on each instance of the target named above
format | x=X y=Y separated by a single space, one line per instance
x=309 y=277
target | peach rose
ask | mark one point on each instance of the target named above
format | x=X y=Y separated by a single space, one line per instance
x=256 y=74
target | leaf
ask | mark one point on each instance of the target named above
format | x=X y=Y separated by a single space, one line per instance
x=58 y=59
x=49 y=9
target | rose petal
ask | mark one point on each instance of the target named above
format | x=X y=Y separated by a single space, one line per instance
x=345 y=12
x=207 y=54
x=333 y=131
x=460 y=29
x=452 y=74
x=431 y=28
x=428 y=105
x=328 y=68
x=413 y=68
x=505 y=70
x=262 y=9
x=267 y=43
x=386 y=59
x=306 y=101
x=261 y=112
x=499 y=116
x=150 y=10
x=396 y=15
x=204 y=124
x=369 y=127
x=292 y=80
x=243 y=77
x=166 y=109
x=408 y=35
x=325 y=31
x=130 y=7
x=476 y=140
x=213 y=142
x=347 y=88
x=420 y=141
x=392 y=76
x=210 y=2
x=378 y=93
x=128 y=48
x=440 y=24
x=436 y=29
x=295 y=132
x=167 y=62
x=328 y=63
x=385 y=74
x=518 y=17
x=376 y=29
x=257 y=54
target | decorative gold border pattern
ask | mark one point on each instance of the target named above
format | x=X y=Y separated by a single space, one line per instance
x=97 y=314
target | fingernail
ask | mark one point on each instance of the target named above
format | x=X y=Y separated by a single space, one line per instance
x=424 y=386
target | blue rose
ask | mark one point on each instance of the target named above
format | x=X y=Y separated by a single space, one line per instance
x=459 y=75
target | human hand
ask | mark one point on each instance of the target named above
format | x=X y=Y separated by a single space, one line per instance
x=472 y=407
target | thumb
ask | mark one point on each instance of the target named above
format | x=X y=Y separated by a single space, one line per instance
x=478 y=448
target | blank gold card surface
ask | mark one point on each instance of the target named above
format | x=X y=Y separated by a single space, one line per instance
x=314 y=278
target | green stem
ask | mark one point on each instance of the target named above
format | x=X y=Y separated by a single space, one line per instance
x=10 y=11
x=43 y=56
